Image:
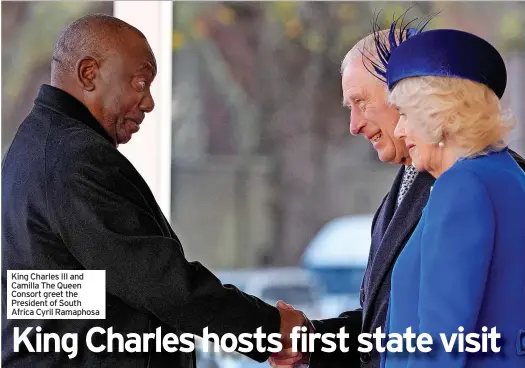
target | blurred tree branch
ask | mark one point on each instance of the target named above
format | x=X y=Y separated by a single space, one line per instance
x=276 y=66
x=28 y=59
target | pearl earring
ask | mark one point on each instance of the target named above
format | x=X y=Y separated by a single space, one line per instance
x=441 y=144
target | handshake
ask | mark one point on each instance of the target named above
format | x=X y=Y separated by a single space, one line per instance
x=290 y=318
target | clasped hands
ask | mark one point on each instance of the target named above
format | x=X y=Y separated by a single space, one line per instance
x=290 y=318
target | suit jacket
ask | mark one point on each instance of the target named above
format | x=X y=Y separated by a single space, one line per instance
x=72 y=201
x=463 y=266
x=391 y=229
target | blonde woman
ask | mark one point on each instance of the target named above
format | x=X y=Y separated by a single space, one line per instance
x=463 y=269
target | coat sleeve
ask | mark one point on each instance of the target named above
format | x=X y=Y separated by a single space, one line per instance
x=106 y=223
x=351 y=321
x=456 y=249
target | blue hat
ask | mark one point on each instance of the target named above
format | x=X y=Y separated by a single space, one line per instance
x=443 y=53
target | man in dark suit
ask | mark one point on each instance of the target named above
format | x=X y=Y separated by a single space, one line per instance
x=72 y=201
x=393 y=223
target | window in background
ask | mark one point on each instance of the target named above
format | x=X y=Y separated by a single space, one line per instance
x=262 y=157
x=29 y=32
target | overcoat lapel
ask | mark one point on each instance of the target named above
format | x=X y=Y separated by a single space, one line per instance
x=387 y=210
x=402 y=223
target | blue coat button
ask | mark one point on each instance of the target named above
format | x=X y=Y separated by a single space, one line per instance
x=520 y=343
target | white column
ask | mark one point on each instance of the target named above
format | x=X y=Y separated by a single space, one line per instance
x=150 y=149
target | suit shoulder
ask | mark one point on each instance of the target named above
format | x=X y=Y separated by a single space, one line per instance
x=458 y=176
x=71 y=135
x=462 y=184
x=494 y=169
x=72 y=146
x=483 y=168
x=460 y=197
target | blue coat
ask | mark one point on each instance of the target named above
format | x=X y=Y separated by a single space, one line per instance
x=464 y=266
x=391 y=230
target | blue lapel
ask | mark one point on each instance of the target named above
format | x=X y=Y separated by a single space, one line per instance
x=391 y=232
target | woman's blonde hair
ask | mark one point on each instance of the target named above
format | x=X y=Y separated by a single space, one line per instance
x=466 y=112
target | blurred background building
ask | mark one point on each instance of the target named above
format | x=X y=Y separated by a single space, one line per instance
x=261 y=156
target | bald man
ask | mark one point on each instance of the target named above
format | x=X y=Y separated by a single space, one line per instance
x=72 y=201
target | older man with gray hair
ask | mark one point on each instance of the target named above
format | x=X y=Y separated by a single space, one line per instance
x=372 y=117
x=396 y=218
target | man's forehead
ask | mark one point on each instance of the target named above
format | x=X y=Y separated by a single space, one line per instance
x=357 y=80
x=355 y=71
x=151 y=57
x=148 y=65
x=351 y=86
x=138 y=52
x=141 y=60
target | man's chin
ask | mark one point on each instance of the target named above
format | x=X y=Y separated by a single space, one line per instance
x=123 y=138
x=387 y=157
x=123 y=141
x=392 y=158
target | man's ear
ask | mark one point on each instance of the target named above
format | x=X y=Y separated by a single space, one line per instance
x=87 y=71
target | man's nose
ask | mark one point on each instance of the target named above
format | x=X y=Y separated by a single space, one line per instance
x=357 y=122
x=147 y=104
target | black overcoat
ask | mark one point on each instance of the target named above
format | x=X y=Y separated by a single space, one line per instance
x=72 y=201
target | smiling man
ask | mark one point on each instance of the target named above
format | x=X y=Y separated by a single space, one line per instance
x=396 y=218
x=375 y=119
x=370 y=114
x=72 y=201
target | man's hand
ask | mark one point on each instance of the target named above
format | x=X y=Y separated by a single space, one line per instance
x=290 y=318
x=287 y=358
